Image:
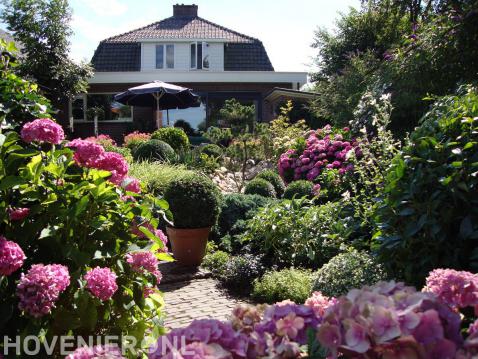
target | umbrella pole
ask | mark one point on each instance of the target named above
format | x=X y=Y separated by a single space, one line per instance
x=167 y=114
x=159 y=121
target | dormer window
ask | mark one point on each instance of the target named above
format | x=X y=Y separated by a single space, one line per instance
x=165 y=56
x=199 y=56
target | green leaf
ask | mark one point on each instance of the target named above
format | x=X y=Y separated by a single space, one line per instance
x=11 y=181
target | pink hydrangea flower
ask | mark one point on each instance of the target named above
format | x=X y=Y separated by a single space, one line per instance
x=101 y=282
x=110 y=351
x=319 y=303
x=18 y=214
x=290 y=325
x=41 y=287
x=86 y=152
x=42 y=130
x=316 y=189
x=112 y=162
x=459 y=289
x=131 y=184
x=11 y=256
x=144 y=261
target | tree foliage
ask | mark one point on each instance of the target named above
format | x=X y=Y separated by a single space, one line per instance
x=42 y=27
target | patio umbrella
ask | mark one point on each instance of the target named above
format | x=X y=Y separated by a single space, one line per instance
x=161 y=95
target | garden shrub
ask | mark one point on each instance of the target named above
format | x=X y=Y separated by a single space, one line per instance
x=429 y=217
x=236 y=208
x=299 y=189
x=260 y=187
x=216 y=262
x=155 y=176
x=134 y=139
x=75 y=237
x=185 y=126
x=154 y=150
x=275 y=180
x=276 y=286
x=211 y=150
x=297 y=233
x=352 y=269
x=194 y=201
x=173 y=136
x=240 y=272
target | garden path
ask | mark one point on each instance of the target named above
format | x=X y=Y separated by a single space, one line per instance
x=192 y=294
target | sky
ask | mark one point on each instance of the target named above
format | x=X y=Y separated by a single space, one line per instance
x=286 y=27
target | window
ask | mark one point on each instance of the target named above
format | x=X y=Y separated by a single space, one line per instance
x=200 y=55
x=86 y=107
x=165 y=56
x=170 y=56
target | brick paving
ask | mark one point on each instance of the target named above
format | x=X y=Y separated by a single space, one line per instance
x=193 y=294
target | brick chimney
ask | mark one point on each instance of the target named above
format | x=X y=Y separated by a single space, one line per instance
x=185 y=10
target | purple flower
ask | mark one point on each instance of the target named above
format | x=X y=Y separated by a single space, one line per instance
x=11 y=256
x=42 y=130
x=97 y=352
x=40 y=288
x=101 y=282
x=18 y=214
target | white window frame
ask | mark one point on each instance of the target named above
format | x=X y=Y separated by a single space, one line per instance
x=204 y=45
x=84 y=96
x=165 y=57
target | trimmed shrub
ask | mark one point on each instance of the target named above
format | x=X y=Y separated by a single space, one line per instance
x=173 y=136
x=236 y=208
x=260 y=187
x=154 y=150
x=299 y=189
x=155 y=176
x=194 y=201
x=346 y=271
x=293 y=284
x=274 y=179
x=186 y=126
x=240 y=272
x=211 y=150
x=216 y=262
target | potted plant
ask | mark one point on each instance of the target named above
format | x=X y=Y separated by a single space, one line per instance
x=194 y=203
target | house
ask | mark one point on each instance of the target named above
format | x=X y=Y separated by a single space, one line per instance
x=215 y=62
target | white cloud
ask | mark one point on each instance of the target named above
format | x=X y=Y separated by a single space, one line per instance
x=106 y=7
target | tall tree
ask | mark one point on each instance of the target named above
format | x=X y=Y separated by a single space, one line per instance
x=43 y=28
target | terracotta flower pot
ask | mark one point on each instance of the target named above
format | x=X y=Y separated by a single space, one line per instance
x=189 y=245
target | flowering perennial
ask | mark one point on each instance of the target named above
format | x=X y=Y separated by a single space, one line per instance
x=324 y=150
x=97 y=352
x=131 y=184
x=458 y=289
x=86 y=152
x=390 y=320
x=42 y=130
x=11 y=256
x=319 y=303
x=18 y=214
x=144 y=261
x=102 y=140
x=41 y=287
x=136 y=137
x=101 y=282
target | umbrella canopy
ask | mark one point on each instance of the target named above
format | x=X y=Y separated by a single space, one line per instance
x=161 y=95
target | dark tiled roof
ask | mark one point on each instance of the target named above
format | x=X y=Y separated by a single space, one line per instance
x=246 y=57
x=181 y=27
x=123 y=52
x=117 y=57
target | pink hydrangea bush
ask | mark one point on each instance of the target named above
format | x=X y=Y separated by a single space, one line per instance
x=101 y=282
x=40 y=288
x=325 y=149
x=103 y=140
x=143 y=261
x=110 y=351
x=131 y=184
x=11 y=256
x=135 y=138
x=390 y=320
x=319 y=303
x=42 y=130
x=458 y=289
